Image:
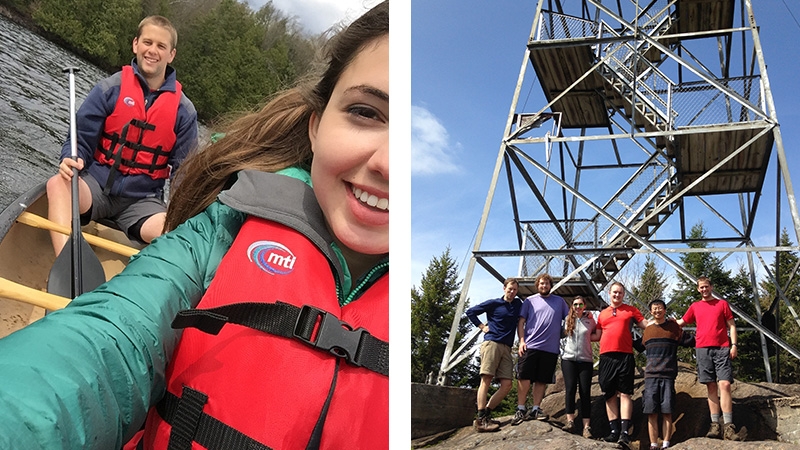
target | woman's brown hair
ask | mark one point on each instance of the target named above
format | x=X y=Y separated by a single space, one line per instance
x=276 y=136
x=569 y=325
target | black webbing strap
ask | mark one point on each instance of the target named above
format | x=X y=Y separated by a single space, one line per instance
x=316 y=434
x=122 y=141
x=358 y=347
x=117 y=160
x=189 y=423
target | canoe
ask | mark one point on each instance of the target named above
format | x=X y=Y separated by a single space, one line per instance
x=26 y=257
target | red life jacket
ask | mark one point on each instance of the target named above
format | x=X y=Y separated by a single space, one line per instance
x=266 y=390
x=135 y=141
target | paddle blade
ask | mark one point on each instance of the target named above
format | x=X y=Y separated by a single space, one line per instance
x=60 y=280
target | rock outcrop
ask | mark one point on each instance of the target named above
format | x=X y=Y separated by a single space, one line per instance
x=770 y=412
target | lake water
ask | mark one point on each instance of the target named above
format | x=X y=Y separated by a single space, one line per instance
x=34 y=106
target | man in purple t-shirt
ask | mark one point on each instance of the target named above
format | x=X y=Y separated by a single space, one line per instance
x=539 y=332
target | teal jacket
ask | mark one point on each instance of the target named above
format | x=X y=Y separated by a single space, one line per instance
x=85 y=376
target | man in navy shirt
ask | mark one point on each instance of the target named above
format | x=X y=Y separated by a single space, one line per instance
x=496 y=361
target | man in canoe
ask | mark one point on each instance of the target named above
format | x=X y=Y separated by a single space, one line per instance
x=133 y=130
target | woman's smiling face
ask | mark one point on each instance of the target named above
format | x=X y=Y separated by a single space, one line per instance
x=350 y=141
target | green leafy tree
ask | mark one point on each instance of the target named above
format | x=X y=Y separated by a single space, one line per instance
x=432 y=309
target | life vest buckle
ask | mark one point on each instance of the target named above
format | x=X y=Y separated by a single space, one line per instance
x=333 y=335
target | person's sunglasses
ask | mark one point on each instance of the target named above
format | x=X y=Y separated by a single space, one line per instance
x=577 y=305
x=614 y=312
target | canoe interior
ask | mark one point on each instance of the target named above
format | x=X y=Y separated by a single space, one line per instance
x=26 y=256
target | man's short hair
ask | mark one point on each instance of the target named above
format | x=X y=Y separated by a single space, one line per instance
x=510 y=280
x=616 y=283
x=161 y=22
x=656 y=301
x=706 y=279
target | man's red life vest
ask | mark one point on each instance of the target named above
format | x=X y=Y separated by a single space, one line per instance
x=275 y=392
x=138 y=141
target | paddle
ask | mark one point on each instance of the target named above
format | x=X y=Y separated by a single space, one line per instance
x=76 y=269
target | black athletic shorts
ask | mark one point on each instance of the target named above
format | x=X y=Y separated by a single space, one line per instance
x=537 y=366
x=615 y=373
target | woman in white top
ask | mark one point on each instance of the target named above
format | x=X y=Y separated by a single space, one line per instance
x=576 y=363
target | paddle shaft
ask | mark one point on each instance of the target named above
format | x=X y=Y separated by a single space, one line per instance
x=77 y=275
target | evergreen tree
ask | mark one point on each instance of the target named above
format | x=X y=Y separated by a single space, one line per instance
x=749 y=362
x=221 y=62
x=788 y=371
x=699 y=264
x=651 y=286
x=432 y=310
x=100 y=29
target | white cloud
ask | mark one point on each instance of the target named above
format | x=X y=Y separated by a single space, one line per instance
x=316 y=16
x=432 y=152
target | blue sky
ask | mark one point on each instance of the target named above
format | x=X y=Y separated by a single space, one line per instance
x=466 y=57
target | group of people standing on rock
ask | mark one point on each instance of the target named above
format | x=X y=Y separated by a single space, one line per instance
x=548 y=327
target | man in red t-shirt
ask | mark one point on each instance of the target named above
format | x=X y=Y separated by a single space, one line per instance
x=714 y=354
x=615 y=374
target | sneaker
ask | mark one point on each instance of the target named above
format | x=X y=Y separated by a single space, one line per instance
x=519 y=416
x=730 y=433
x=569 y=427
x=613 y=437
x=587 y=432
x=484 y=424
x=714 y=431
x=624 y=439
x=536 y=413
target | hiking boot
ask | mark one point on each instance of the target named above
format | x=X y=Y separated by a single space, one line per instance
x=519 y=416
x=613 y=437
x=569 y=427
x=537 y=414
x=730 y=433
x=587 y=432
x=714 y=431
x=484 y=424
x=624 y=439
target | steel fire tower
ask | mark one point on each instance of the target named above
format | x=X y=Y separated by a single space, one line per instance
x=669 y=104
